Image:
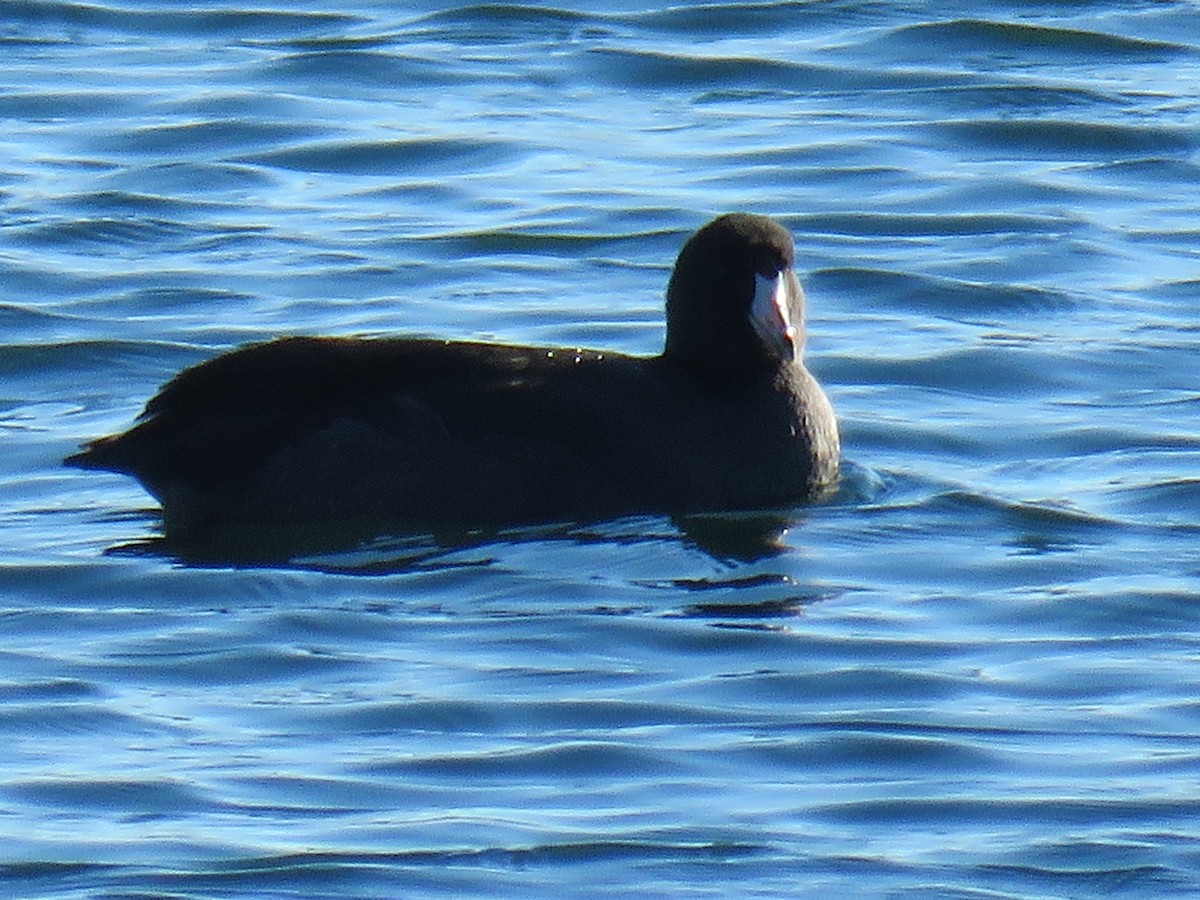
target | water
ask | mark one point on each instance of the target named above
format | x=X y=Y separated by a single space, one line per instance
x=973 y=673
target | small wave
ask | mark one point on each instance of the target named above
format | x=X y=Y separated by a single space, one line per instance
x=953 y=298
x=666 y=71
x=21 y=323
x=74 y=357
x=571 y=758
x=452 y=871
x=997 y=812
x=145 y=797
x=501 y=241
x=725 y=20
x=47 y=721
x=79 y=234
x=939 y=40
x=339 y=70
x=873 y=224
x=80 y=105
x=196 y=138
x=1157 y=172
x=1022 y=99
x=954 y=755
x=502 y=23
x=976 y=372
x=498 y=717
x=46 y=15
x=47 y=691
x=1187 y=290
x=223 y=665
x=166 y=301
x=1066 y=139
x=1097 y=878
x=114 y=203
x=1175 y=500
x=881 y=683
x=1022 y=515
x=1129 y=611
x=188 y=178
x=402 y=157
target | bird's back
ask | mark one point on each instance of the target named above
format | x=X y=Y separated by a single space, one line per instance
x=430 y=431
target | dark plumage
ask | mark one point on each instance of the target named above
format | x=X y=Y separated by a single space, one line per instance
x=427 y=434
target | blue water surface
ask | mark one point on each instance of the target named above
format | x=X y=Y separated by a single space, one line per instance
x=975 y=672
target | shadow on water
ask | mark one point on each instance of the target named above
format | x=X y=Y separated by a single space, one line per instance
x=748 y=582
x=380 y=548
x=748 y=585
x=386 y=547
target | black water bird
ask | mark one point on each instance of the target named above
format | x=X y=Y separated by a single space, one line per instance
x=432 y=434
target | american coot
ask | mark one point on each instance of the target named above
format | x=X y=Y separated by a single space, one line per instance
x=432 y=434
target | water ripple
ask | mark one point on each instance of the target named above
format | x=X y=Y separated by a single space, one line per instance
x=357 y=68
x=390 y=157
x=1068 y=139
x=56 y=14
x=1024 y=40
x=201 y=137
x=672 y=71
